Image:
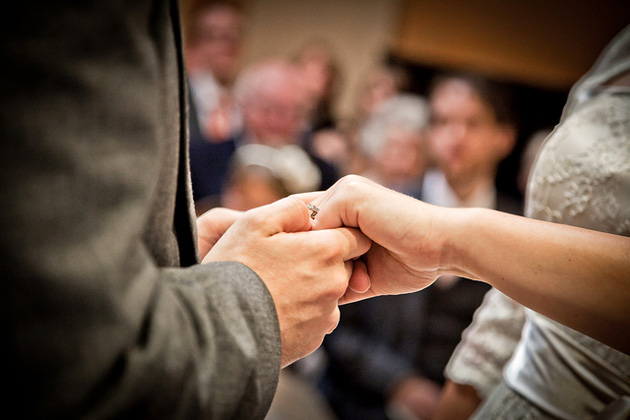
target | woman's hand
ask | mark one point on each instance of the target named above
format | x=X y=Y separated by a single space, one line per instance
x=408 y=244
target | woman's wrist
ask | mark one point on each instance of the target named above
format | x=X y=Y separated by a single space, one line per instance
x=458 y=230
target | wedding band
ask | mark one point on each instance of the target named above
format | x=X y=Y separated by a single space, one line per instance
x=314 y=210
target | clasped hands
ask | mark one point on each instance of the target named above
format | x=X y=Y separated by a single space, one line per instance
x=365 y=241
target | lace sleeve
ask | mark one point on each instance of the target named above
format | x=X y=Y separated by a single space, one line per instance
x=487 y=344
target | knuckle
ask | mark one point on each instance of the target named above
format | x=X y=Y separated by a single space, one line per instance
x=326 y=250
x=351 y=178
x=294 y=201
x=251 y=218
x=333 y=319
x=332 y=251
x=353 y=181
x=353 y=186
x=297 y=204
x=338 y=285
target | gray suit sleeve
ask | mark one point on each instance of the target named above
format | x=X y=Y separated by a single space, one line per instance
x=92 y=323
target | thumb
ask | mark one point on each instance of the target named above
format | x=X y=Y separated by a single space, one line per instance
x=212 y=225
x=289 y=214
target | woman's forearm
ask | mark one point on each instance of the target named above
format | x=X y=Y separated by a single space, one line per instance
x=575 y=276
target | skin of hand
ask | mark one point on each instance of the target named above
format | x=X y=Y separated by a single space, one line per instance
x=306 y=272
x=401 y=250
x=457 y=402
x=549 y=267
x=420 y=396
x=211 y=225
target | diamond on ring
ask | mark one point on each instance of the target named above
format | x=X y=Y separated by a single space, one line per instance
x=314 y=210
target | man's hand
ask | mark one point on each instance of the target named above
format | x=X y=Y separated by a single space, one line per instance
x=211 y=225
x=306 y=272
x=407 y=249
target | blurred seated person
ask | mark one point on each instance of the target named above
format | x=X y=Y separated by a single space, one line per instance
x=334 y=146
x=321 y=75
x=472 y=130
x=382 y=84
x=394 y=143
x=261 y=174
x=275 y=109
x=387 y=357
x=213 y=44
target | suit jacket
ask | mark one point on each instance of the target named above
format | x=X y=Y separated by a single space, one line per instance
x=105 y=311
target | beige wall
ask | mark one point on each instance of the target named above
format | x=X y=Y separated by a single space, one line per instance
x=359 y=31
x=549 y=43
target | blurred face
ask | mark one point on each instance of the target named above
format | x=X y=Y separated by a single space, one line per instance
x=401 y=158
x=464 y=137
x=317 y=71
x=381 y=86
x=276 y=113
x=217 y=45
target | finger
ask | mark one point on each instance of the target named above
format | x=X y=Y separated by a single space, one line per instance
x=349 y=265
x=340 y=204
x=286 y=215
x=212 y=224
x=351 y=296
x=359 y=279
x=351 y=242
x=331 y=217
x=336 y=318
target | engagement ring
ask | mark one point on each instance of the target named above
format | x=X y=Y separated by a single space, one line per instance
x=314 y=210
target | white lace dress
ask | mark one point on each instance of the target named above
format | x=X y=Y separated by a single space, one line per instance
x=580 y=178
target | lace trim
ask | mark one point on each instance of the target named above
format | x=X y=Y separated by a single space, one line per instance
x=582 y=177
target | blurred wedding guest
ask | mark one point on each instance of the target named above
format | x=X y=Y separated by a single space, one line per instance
x=382 y=84
x=334 y=146
x=472 y=130
x=321 y=75
x=394 y=143
x=274 y=105
x=387 y=357
x=261 y=174
x=214 y=37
